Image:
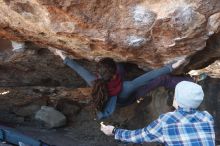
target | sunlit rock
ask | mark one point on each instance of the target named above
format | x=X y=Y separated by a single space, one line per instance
x=148 y=33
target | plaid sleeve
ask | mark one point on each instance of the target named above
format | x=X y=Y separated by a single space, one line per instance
x=151 y=133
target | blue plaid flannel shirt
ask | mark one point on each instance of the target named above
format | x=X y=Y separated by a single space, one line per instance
x=183 y=127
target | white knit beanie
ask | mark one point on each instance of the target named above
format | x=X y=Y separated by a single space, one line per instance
x=188 y=94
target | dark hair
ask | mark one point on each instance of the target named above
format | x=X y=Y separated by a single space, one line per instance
x=106 y=69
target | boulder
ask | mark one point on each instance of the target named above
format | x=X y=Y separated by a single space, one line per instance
x=148 y=33
x=50 y=117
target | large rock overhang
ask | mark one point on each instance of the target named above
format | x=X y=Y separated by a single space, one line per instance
x=148 y=33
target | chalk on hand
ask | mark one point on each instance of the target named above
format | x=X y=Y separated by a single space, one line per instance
x=102 y=124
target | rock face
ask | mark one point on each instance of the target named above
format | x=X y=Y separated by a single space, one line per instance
x=145 y=32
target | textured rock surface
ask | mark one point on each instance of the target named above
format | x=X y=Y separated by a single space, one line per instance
x=50 y=117
x=149 y=33
x=206 y=56
x=146 y=32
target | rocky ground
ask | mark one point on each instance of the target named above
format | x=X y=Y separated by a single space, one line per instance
x=82 y=130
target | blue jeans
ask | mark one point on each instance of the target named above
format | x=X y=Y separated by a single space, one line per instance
x=167 y=81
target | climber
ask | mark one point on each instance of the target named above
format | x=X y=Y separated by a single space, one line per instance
x=108 y=87
x=11 y=136
x=185 y=126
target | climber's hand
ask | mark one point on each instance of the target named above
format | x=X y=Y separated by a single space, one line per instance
x=60 y=53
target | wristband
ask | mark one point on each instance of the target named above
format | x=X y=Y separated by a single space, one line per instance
x=114 y=130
